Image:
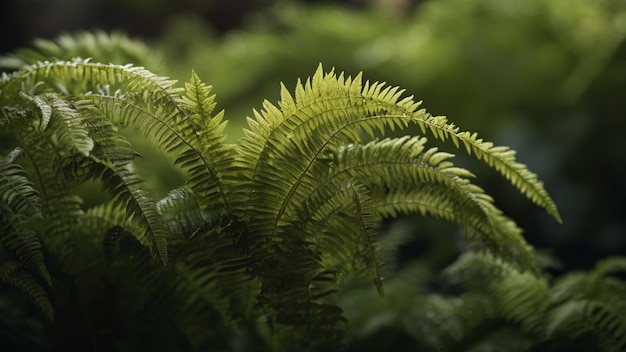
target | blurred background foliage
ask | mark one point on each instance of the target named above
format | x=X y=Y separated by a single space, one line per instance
x=546 y=77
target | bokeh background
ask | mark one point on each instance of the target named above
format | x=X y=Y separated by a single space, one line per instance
x=546 y=77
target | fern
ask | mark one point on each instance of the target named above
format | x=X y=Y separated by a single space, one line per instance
x=210 y=158
x=576 y=305
x=12 y=274
x=263 y=231
x=518 y=297
x=591 y=303
x=21 y=202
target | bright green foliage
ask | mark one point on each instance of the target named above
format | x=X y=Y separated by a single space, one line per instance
x=544 y=76
x=254 y=245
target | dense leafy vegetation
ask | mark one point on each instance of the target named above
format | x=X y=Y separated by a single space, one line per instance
x=541 y=76
x=265 y=241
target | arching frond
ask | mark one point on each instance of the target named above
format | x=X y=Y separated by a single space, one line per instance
x=323 y=115
x=577 y=304
x=181 y=213
x=70 y=137
x=60 y=140
x=517 y=296
x=110 y=162
x=12 y=274
x=591 y=303
x=19 y=202
x=340 y=223
x=501 y=158
x=149 y=102
x=407 y=178
x=329 y=110
x=82 y=76
x=16 y=238
x=101 y=225
x=179 y=124
x=139 y=206
x=69 y=129
x=297 y=158
x=213 y=271
x=16 y=190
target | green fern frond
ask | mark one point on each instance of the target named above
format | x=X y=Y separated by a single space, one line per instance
x=608 y=266
x=215 y=273
x=101 y=218
x=501 y=158
x=327 y=111
x=366 y=220
x=12 y=274
x=297 y=156
x=209 y=165
x=181 y=213
x=574 y=318
x=407 y=178
x=521 y=298
x=591 y=303
x=70 y=137
x=124 y=188
x=16 y=190
x=21 y=202
x=102 y=228
x=23 y=243
x=331 y=204
x=153 y=104
x=578 y=304
x=110 y=162
x=517 y=296
x=196 y=137
x=82 y=76
x=341 y=224
x=283 y=149
x=49 y=151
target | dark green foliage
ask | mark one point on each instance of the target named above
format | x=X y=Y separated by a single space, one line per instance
x=483 y=303
x=254 y=248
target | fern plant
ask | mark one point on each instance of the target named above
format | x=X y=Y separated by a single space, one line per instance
x=482 y=303
x=257 y=239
